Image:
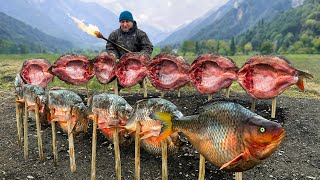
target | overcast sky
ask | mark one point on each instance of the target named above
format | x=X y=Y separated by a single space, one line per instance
x=167 y=14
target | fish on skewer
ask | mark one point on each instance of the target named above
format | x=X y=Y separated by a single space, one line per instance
x=32 y=95
x=112 y=110
x=150 y=128
x=168 y=72
x=35 y=100
x=68 y=106
x=228 y=135
x=73 y=69
x=265 y=77
x=109 y=110
x=36 y=72
x=18 y=87
x=210 y=73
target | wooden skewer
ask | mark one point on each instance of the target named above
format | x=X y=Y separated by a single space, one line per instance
x=115 y=87
x=71 y=144
x=40 y=149
x=202 y=168
x=104 y=88
x=228 y=92
x=87 y=88
x=25 y=131
x=54 y=139
x=18 y=119
x=117 y=153
x=137 y=152
x=202 y=163
x=94 y=147
x=179 y=92
x=253 y=104
x=162 y=94
x=164 y=147
x=145 y=93
x=274 y=107
x=238 y=175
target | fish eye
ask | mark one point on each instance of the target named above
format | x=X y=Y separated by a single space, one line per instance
x=262 y=129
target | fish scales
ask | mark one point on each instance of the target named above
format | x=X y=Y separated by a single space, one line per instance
x=32 y=92
x=68 y=105
x=64 y=98
x=18 y=85
x=228 y=135
x=141 y=113
x=112 y=110
x=221 y=125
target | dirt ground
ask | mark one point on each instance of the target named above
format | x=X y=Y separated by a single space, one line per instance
x=298 y=157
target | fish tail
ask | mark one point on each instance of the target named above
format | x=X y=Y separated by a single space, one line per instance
x=166 y=121
x=302 y=75
x=300 y=84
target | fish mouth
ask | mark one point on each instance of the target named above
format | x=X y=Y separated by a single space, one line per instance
x=282 y=135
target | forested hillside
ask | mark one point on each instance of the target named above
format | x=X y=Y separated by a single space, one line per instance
x=17 y=37
x=295 y=31
x=232 y=19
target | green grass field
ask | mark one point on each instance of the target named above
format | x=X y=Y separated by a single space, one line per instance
x=11 y=65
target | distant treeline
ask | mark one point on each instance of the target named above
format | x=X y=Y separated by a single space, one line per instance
x=17 y=37
x=295 y=31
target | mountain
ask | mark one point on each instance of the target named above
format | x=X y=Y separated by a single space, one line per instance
x=155 y=35
x=232 y=19
x=52 y=17
x=186 y=31
x=17 y=37
x=295 y=31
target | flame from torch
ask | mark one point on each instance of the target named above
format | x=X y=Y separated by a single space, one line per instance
x=94 y=31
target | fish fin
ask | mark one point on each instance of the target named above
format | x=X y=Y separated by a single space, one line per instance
x=55 y=118
x=144 y=132
x=303 y=74
x=73 y=125
x=31 y=108
x=91 y=116
x=151 y=133
x=130 y=132
x=146 y=136
x=22 y=101
x=166 y=121
x=300 y=84
x=233 y=161
x=115 y=127
x=48 y=117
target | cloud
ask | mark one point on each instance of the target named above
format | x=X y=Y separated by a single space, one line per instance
x=165 y=15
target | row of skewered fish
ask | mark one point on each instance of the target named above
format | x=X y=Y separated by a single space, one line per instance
x=263 y=77
x=228 y=135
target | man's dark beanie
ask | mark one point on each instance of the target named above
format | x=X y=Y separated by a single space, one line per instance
x=126 y=15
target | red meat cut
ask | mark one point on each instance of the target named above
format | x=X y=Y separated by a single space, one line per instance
x=265 y=77
x=131 y=68
x=168 y=72
x=210 y=73
x=36 y=72
x=104 y=67
x=73 y=69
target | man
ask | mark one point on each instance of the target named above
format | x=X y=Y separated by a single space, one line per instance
x=129 y=37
